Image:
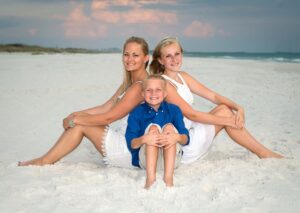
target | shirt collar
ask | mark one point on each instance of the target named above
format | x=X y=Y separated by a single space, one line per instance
x=160 y=109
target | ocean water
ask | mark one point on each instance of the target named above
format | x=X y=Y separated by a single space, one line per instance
x=276 y=56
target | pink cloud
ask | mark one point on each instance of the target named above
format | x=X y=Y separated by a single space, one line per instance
x=99 y=5
x=199 y=29
x=77 y=24
x=106 y=16
x=148 y=16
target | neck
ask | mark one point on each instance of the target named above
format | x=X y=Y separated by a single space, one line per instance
x=171 y=74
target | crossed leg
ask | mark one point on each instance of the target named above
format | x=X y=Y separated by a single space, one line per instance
x=242 y=136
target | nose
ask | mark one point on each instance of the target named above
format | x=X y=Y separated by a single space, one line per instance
x=173 y=58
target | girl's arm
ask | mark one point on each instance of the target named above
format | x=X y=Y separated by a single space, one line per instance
x=192 y=114
x=130 y=100
x=199 y=89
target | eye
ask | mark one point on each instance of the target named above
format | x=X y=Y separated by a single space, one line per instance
x=125 y=54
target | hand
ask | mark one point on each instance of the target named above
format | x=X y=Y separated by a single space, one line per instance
x=66 y=121
x=152 y=139
x=240 y=118
x=169 y=140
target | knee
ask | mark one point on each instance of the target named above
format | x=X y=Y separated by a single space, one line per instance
x=223 y=110
x=153 y=129
x=169 y=128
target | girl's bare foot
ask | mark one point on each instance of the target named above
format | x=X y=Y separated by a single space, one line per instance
x=270 y=155
x=35 y=162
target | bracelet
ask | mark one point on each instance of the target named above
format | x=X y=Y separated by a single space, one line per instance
x=71 y=123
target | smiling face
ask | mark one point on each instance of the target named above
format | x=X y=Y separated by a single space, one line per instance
x=154 y=92
x=134 y=57
x=171 y=57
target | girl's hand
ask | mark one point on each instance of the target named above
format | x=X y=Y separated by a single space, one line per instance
x=66 y=121
x=240 y=118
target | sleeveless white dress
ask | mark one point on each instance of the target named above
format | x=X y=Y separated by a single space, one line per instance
x=114 y=146
x=201 y=135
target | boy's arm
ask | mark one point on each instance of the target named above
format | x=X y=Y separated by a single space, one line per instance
x=183 y=139
x=133 y=130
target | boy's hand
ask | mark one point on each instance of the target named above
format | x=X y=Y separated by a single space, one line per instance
x=169 y=140
x=152 y=140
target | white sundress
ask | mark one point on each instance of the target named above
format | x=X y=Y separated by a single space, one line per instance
x=201 y=135
x=114 y=146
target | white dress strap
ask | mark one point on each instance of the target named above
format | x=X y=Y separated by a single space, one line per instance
x=182 y=89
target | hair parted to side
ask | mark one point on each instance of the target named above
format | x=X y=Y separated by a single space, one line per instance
x=155 y=66
x=155 y=76
x=145 y=48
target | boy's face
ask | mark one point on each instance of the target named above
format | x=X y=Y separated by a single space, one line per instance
x=154 y=92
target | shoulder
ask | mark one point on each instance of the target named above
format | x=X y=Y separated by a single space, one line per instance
x=185 y=75
x=135 y=87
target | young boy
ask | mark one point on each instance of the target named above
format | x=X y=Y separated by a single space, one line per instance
x=155 y=130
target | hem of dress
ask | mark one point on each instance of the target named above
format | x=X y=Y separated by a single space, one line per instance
x=103 y=146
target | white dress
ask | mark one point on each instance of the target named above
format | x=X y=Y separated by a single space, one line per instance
x=114 y=146
x=201 y=135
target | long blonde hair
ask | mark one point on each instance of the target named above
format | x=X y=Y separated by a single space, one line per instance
x=127 y=75
x=155 y=66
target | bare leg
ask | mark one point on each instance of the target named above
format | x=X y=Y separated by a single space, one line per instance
x=151 y=160
x=242 y=136
x=67 y=142
x=169 y=158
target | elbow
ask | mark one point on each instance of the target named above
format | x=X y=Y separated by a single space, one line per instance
x=190 y=115
x=109 y=119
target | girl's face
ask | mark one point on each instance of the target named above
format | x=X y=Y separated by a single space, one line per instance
x=133 y=57
x=171 y=57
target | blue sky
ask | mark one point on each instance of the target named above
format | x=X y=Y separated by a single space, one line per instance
x=203 y=25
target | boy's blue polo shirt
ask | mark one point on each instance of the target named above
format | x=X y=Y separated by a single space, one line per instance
x=143 y=115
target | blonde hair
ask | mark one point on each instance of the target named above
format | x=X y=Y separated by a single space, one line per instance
x=127 y=75
x=155 y=66
x=155 y=76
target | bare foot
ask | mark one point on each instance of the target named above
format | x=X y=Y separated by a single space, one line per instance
x=36 y=162
x=271 y=155
x=169 y=182
x=149 y=183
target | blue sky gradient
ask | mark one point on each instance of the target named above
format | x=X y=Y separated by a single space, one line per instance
x=203 y=25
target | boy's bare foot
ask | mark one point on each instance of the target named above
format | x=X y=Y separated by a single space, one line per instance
x=149 y=183
x=169 y=182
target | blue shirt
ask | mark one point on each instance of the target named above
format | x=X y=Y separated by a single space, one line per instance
x=140 y=118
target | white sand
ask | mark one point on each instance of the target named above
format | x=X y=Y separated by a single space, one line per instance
x=37 y=92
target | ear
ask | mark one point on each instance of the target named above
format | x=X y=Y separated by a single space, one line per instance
x=146 y=59
x=159 y=60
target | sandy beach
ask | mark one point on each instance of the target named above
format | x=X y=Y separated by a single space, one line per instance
x=38 y=91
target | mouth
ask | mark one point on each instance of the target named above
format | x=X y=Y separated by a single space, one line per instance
x=154 y=98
